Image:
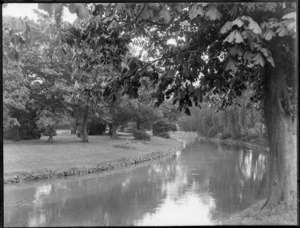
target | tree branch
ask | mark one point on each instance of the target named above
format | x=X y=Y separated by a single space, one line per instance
x=156 y=23
x=135 y=20
x=163 y=57
x=149 y=64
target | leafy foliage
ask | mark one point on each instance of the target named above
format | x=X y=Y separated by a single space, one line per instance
x=225 y=55
x=15 y=84
x=163 y=135
x=162 y=126
x=141 y=135
x=234 y=39
x=26 y=128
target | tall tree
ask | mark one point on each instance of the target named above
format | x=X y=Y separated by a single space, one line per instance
x=234 y=48
x=48 y=66
x=15 y=84
x=142 y=109
x=226 y=48
x=98 y=48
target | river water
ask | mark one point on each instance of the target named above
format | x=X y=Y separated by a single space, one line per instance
x=203 y=184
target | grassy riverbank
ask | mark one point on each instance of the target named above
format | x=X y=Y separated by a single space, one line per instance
x=280 y=215
x=67 y=155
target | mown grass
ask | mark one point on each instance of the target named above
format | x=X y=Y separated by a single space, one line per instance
x=67 y=155
x=281 y=214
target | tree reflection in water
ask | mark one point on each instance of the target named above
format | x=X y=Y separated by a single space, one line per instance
x=206 y=182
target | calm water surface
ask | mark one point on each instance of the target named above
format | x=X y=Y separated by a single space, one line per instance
x=203 y=184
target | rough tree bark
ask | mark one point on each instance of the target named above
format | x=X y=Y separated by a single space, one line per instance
x=138 y=125
x=74 y=126
x=242 y=117
x=280 y=127
x=114 y=131
x=110 y=130
x=51 y=133
x=84 y=125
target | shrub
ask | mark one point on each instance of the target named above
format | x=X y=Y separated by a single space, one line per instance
x=8 y=133
x=30 y=134
x=250 y=137
x=260 y=128
x=96 y=128
x=163 y=135
x=252 y=132
x=225 y=135
x=162 y=126
x=212 y=132
x=218 y=135
x=141 y=135
x=172 y=127
x=26 y=131
x=45 y=132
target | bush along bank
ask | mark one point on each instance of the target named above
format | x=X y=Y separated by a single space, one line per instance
x=102 y=167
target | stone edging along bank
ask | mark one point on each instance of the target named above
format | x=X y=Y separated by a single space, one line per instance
x=102 y=167
x=235 y=142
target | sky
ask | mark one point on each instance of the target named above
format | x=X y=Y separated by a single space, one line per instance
x=25 y=9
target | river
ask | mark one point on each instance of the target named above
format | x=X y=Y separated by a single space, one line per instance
x=203 y=184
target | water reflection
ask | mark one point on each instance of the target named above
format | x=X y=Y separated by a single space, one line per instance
x=41 y=191
x=199 y=186
x=192 y=209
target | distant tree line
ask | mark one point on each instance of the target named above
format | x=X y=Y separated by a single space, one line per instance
x=242 y=120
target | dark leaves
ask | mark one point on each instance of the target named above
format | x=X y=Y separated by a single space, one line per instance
x=195 y=11
x=146 y=13
x=231 y=65
x=48 y=7
x=81 y=10
x=213 y=13
x=234 y=37
x=269 y=34
x=72 y=8
x=13 y=54
x=187 y=111
x=164 y=13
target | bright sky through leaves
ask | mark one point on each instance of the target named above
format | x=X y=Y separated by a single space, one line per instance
x=26 y=9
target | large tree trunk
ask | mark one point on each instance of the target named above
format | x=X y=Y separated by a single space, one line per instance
x=138 y=125
x=74 y=126
x=114 y=131
x=242 y=117
x=281 y=136
x=84 y=125
x=110 y=130
x=51 y=133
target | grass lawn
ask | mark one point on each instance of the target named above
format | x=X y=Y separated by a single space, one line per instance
x=67 y=151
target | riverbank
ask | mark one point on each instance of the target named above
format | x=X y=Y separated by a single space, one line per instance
x=251 y=145
x=35 y=160
x=280 y=215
